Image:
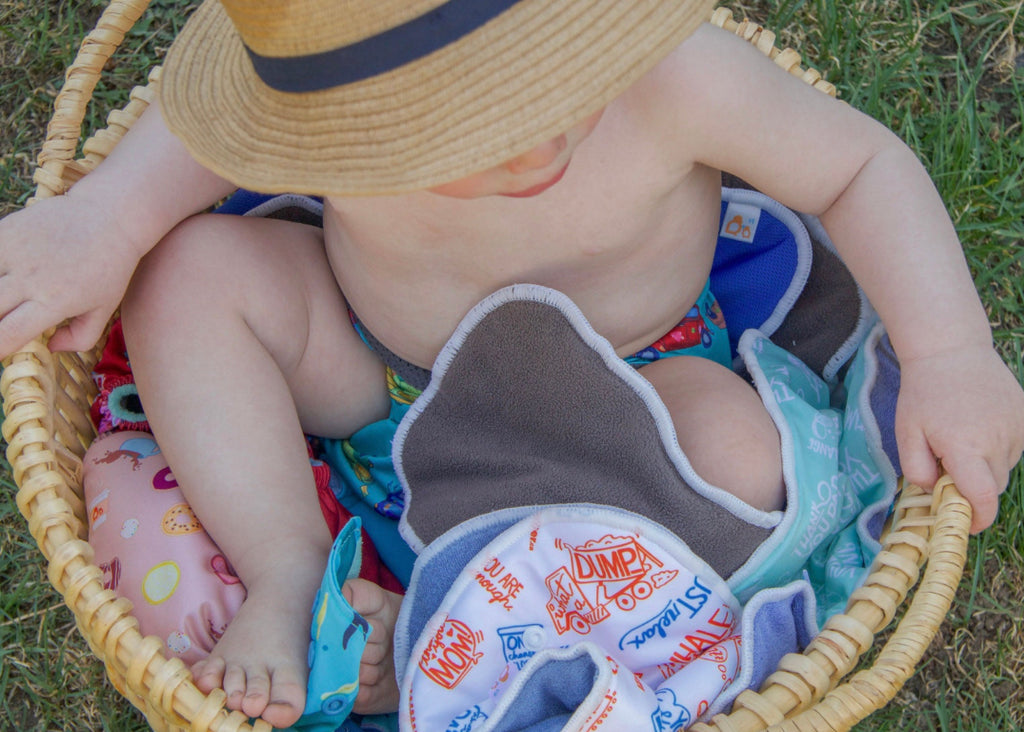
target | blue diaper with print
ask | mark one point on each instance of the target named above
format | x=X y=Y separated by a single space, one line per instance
x=337 y=638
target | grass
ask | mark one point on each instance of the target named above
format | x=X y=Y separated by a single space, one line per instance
x=947 y=76
x=37 y=43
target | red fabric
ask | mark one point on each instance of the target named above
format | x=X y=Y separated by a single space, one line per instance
x=114 y=359
x=113 y=372
x=336 y=516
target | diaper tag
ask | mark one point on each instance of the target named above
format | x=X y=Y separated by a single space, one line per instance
x=740 y=222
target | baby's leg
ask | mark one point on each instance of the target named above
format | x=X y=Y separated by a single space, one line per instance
x=240 y=339
x=723 y=427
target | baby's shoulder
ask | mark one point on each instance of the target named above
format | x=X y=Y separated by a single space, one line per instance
x=683 y=91
x=709 y=59
x=716 y=89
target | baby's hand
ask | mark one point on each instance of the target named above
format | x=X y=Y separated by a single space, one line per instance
x=61 y=258
x=967 y=409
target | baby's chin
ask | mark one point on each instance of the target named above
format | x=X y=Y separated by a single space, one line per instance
x=540 y=187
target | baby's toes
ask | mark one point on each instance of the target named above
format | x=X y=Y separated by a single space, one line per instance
x=379 y=696
x=372 y=674
x=257 y=692
x=208 y=674
x=234 y=685
x=365 y=597
x=286 y=697
x=378 y=648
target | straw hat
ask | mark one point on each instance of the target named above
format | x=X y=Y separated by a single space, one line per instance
x=356 y=97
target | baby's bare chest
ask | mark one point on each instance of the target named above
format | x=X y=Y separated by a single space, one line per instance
x=634 y=266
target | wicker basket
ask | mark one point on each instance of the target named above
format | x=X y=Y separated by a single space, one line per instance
x=46 y=400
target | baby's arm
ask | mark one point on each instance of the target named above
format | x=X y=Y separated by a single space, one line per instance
x=958 y=401
x=71 y=257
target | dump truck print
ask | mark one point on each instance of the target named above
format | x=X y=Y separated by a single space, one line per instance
x=610 y=572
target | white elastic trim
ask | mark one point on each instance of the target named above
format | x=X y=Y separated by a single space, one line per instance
x=873 y=437
x=743 y=681
x=787 y=517
x=803 y=243
x=866 y=318
x=640 y=385
x=287 y=200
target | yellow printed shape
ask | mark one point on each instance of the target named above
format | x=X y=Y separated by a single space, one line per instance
x=321 y=616
x=161 y=582
x=343 y=689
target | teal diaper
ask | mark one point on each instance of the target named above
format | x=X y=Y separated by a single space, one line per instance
x=702 y=332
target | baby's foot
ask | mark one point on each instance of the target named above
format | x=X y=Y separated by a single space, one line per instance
x=378 y=688
x=261 y=660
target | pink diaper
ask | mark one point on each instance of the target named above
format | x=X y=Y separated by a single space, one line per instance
x=153 y=550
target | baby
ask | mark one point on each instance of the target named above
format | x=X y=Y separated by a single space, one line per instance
x=462 y=147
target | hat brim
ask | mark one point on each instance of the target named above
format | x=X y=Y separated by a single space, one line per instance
x=519 y=80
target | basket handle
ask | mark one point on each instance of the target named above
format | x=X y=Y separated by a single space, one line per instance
x=799 y=697
x=872 y=688
x=764 y=41
x=65 y=128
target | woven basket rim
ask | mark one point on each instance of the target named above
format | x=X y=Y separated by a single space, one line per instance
x=45 y=394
